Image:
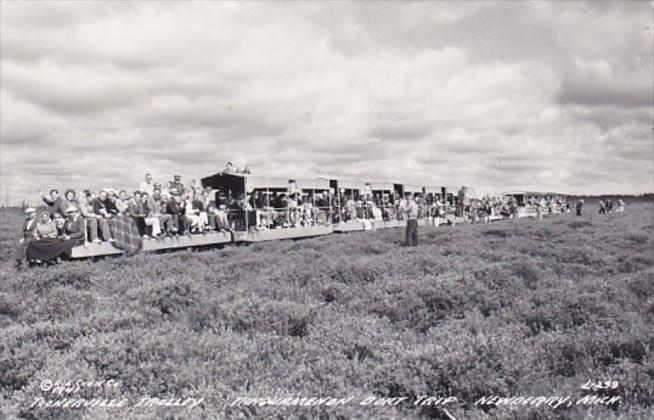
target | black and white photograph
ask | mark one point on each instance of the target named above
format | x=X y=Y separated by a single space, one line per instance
x=326 y=210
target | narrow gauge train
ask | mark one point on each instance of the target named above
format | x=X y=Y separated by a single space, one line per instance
x=338 y=205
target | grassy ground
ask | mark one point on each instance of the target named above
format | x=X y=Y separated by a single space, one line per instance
x=516 y=308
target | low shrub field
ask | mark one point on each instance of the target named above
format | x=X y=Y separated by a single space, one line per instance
x=515 y=308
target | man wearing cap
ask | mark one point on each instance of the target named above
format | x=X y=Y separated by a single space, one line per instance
x=177 y=185
x=74 y=227
x=411 y=209
x=28 y=234
x=176 y=208
x=579 y=205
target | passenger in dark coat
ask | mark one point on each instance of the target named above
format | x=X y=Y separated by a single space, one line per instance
x=58 y=203
x=176 y=208
x=27 y=235
x=579 y=205
x=74 y=228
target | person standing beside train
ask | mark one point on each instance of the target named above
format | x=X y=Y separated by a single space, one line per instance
x=410 y=208
x=27 y=235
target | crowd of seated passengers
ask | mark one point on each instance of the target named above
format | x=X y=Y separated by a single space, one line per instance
x=47 y=227
x=157 y=211
x=279 y=209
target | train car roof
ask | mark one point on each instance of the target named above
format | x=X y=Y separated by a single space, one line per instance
x=412 y=188
x=348 y=184
x=434 y=189
x=250 y=181
x=382 y=186
x=530 y=193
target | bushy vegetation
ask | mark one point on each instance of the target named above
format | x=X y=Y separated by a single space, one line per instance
x=514 y=308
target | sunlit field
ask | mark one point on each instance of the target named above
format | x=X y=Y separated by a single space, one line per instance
x=514 y=308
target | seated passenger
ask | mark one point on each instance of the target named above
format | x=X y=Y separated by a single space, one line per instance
x=122 y=202
x=239 y=211
x=103 y=206
x=58 y=204
x=376 y=213
x=158 y=187
x=221 y=212
x=350 y=209
x=60 y=224
x=45 y=228
x=94 y=224
x=305 y=211
x=150 y=219
x=280 y=217
x=361 y=210
x=71 y=199
x=196 y=217
x=136 y=212
x=74 y=226
x=158 y=210
x=209 y=206
x=110 y=202
x=176 y=207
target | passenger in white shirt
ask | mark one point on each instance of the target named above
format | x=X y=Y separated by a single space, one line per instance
x=147 y=185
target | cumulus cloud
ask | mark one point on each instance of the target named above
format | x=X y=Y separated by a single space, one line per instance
x=497 y=95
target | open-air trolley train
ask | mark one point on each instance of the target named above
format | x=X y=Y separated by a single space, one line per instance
x=330 y=219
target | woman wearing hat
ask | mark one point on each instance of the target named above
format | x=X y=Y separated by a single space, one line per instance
x=74 y=227
x=87 y=214
x=50 y=243
x=45 y=228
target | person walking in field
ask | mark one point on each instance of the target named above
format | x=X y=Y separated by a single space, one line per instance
x=620 y=208
x=539 y=209
x=602 y=208
x=578 y=206
x=411 y=211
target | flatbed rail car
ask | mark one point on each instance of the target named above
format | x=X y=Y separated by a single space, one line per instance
x=344 y=188
x=249 y=229
x=321 y=198
x=434 y=194
x=90 y=249
x=385 y=192
x=525 y=201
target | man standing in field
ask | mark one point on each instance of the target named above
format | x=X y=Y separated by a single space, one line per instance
x=411 y=211
x=579 y=205
x=27 y=235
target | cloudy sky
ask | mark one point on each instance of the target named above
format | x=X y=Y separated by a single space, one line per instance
x=507 y=95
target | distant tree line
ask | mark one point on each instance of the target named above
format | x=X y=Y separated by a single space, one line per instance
x=645 y=197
